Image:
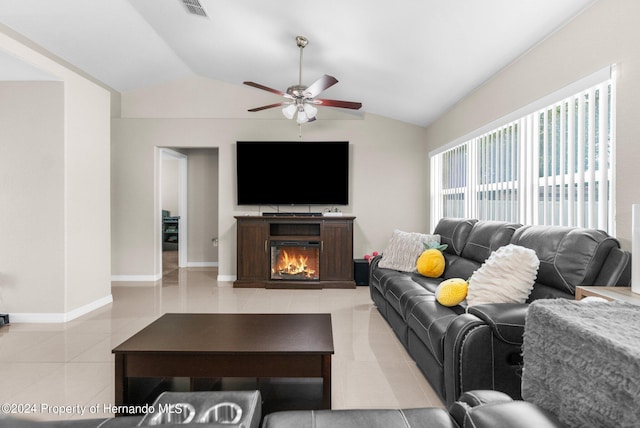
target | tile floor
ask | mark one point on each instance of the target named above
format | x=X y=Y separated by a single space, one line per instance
x=71 y=364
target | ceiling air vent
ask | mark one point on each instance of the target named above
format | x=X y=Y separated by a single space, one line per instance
x=195 y=7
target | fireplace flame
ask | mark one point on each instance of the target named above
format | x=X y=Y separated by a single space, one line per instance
x=293 y=265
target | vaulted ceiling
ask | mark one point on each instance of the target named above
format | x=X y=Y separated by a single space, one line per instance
x=409 y=60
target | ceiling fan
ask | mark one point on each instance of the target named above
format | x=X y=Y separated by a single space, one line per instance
x=302 y=99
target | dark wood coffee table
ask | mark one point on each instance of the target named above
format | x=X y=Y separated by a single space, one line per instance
x=228 y=345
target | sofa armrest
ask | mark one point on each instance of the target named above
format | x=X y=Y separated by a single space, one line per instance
x=373 y=265
x=373 y=261
x=483 y=396
x=505 y=319
x=474 y=359
x=616 y=270
x=503 y=414
x=454 y=340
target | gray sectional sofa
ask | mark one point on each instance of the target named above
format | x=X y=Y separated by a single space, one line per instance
x=477 y=409
x=463 y=348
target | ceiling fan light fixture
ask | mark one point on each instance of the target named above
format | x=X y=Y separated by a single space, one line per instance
x=289 y=111
x=302 y=117
x=310 y=110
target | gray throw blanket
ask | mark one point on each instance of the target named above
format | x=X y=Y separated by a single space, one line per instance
x=582 y=362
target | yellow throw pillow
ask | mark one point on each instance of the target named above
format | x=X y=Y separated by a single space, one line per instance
x=452 y=292
x=431 y=262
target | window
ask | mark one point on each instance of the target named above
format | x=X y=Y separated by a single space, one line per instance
x=551 y=166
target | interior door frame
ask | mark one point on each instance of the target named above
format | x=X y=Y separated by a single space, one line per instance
x=182 y=203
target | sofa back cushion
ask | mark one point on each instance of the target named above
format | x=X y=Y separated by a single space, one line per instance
x=459 y=267
x=454 y=232
x=470 y=242
x=568 y=256
x=486 y=237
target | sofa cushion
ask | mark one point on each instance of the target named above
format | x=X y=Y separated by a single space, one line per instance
x=568 y=256
x=402 y=287
x=381 y=278
x=403 y=293
x=486 y=237
x=404 y=248
x=506 y=277
x=454 y=232
x=428 y=283
x=409 y=301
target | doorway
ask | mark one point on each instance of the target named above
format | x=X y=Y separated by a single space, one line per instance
x=173 y=211
x=195 y=194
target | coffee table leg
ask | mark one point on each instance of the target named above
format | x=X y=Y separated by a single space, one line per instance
x=121 y=384
x=326 y=381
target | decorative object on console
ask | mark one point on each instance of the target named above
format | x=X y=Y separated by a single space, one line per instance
x=431 y=262
x=404 y=248
x=368 y=257
x=635 y=249
x=452 y=292
x=302 y=99
x=507 y=276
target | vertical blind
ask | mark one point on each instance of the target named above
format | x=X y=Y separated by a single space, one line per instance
x=553 y=166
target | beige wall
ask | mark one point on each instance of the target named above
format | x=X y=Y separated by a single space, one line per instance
x=202 y=206
x=59 y=160
x=606 y=33
x=32 y=191
x=389 y=166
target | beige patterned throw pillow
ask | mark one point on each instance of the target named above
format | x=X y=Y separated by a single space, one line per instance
x=404 y=248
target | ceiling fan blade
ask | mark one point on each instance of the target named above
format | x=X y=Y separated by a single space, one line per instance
x=320 y=85
x=337 y=103
x=266 y=88
x=267 y=106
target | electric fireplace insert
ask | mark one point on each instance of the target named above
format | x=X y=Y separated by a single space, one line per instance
x=295 y=260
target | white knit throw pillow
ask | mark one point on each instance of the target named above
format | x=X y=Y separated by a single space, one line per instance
x=507 y=276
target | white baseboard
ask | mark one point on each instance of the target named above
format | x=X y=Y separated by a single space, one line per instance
x=59 y=317
x=136 y=278
x=229 y=278
x=202 y=264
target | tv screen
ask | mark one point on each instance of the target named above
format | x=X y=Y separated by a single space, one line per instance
x=293 y=172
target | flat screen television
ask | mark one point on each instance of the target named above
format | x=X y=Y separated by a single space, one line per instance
x=292 y=172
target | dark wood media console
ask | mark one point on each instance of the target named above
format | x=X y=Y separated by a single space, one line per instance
x=332 y=236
